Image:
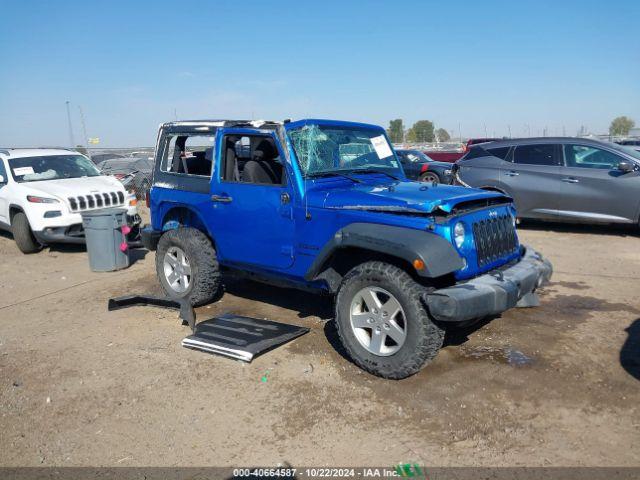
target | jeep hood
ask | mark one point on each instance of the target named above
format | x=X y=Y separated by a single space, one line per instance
x=399 y=197
x=63 y=188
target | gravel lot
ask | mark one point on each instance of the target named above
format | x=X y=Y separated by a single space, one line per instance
x=554 y=385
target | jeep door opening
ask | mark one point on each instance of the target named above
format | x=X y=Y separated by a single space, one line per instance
x=325 y=205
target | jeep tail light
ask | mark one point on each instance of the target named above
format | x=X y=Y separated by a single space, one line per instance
x=147 y=200
x=424 y=168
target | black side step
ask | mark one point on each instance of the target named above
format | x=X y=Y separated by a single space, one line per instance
x=242 y=338
x=187 y=314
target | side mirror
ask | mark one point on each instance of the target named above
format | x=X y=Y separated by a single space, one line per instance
x=2 y=180
x=625 y=166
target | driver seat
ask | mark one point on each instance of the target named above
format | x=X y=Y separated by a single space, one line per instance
x=263 y=166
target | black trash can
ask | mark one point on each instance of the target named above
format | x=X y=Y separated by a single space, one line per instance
x=106 y=241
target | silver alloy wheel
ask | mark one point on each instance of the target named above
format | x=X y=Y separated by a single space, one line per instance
x=378 y=321
x=177 y=269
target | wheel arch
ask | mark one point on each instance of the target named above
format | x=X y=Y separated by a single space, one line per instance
x=13 y=209
x=182 y=215
x=360 y=242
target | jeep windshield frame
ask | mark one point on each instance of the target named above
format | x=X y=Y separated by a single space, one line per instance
x=323 y=149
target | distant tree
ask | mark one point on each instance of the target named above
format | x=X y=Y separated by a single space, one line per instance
x=81 y=149
x=410 y=136
x=424 y=131
x=621 y=126
x=443 y=135
x=396 y=131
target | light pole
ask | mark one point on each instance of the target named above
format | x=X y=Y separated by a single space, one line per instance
x=72 y=143
x=84 y=128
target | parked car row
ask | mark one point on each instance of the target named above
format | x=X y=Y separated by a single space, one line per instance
x=133 y=172
x=42 y=192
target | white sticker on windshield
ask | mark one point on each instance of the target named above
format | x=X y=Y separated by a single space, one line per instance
x=382 y=146
x=19 y=171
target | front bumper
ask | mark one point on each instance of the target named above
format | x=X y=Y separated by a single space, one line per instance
x=72 y=233
x=69 y=234
x=492 y=293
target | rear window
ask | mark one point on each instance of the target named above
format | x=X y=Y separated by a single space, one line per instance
x=500 y=152
x=535 y=155
x=188 y=154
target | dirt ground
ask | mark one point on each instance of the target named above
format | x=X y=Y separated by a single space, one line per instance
x=553 y=385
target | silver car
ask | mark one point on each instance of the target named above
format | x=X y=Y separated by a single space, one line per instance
x=568 y=179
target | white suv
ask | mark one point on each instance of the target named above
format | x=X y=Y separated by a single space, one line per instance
x=44 y=191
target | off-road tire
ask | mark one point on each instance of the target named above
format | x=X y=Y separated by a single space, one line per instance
x=424 y=338
x=430 y=177
x=206 y=281
x=23 y=235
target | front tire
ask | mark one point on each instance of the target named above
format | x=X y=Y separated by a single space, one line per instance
x=23 y=235
x=382 y=323
x=187 y=267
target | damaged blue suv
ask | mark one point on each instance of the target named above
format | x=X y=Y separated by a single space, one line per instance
x=325 y=206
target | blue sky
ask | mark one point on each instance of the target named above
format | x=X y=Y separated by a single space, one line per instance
x=132 y=65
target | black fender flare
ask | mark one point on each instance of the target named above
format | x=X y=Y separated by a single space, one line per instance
x=439 y=255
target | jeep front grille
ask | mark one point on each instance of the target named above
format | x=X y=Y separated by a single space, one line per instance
x=96 y=200
x=494 y=238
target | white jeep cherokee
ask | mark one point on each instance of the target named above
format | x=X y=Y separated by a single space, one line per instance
x=44 y=191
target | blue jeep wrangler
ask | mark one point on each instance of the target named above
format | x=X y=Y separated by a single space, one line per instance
x=325 y=205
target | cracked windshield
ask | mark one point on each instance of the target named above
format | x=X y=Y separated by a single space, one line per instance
x=325 y=150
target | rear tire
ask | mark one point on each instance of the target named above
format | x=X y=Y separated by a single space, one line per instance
x=430 y=177
x=421 y=339
x=187 y=267
x=23 y=235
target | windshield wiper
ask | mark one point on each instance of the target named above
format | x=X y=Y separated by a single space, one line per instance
x=373 y=170
x=338 y=174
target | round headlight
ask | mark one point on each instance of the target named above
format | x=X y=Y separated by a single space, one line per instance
x=458 y=234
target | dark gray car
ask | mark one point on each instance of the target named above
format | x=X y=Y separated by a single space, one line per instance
x=568 y=179
x=134 y=173
x=419 y=166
